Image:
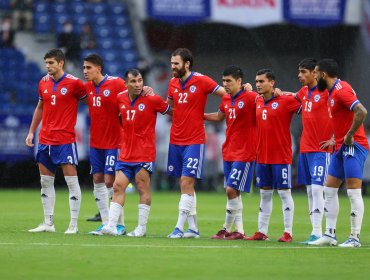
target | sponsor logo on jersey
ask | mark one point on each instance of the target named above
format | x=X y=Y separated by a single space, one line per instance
x=226 y=106
x=141 y=107
x=304 y=97
x=240 y=104
x=123 y=107
x=106 y=92
x=332 y=102
x=45 y=91
x=91 y=93
x=274 y=105
x=63 y=91
x=317 y=98
x=170 y=168
x=193 y=89
x=176 y=90
x=259 y=106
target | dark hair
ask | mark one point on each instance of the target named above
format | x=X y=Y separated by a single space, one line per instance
x=268 y=72
x=95 y=59
x=134 y=72
x=234 y=71
x=185 y=55
x=308 y=63
x=55 y=53
x=330 y=66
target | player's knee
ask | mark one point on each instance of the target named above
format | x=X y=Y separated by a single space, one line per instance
x=47 y=181
x=232 y=193
x=187 y=184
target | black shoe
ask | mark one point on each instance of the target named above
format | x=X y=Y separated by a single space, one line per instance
x=97 y=218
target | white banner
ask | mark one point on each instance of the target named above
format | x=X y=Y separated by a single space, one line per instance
x=247 y=13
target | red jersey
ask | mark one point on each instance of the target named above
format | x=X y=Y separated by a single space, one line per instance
x=315 y=119
x=241 y=129
x=60 y=104
x=273 y=124
x=104 y=123
x=342 y=100
x=189 y=99
x=138 y=121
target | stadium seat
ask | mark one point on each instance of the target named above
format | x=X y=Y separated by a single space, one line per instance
x=118 y=9
x=100 y=8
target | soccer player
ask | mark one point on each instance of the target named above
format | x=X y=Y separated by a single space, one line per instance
x=137 y=155
x=59 y=94
x=274 y=153
x=105 y=129
x=314 y=158
x=347 y=163
x=187 y=94
x=239 y=148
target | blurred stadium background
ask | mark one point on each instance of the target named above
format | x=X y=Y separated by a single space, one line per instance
x=252 y=34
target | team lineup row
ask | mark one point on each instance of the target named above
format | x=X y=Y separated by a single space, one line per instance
x=123 y=114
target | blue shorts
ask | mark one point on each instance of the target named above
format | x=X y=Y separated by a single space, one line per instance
x=348 y=162
x=277 y=176
x=103 y=160
x=53 y=156
x=238 y=175
x=313 y=168
x=130 y=169
x=186 y=160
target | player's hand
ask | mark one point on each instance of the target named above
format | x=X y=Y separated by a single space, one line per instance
x=348 y=139
x=247 y=87
x=327 y=144
x=46 y=78
x=277 y=92
x=29 y=140
x=147 y=91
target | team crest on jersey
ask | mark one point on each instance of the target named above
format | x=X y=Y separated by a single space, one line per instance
x=63 y=91
x=317 y=98
x=141 y=107
x=240 y=104
x=332 y=103
x=193 y=89
x=274 y=105
x=106 y=93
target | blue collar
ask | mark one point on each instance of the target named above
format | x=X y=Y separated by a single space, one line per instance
x=98 y=86
x=233 y=98
x=310 y=90
x=132 y=102
x=332 y=88
x=267 y=101
x=183 y=83
x=57 y=82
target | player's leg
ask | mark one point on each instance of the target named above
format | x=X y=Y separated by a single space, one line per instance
x=353 y=168
x=304 y=178
x=331 y=202
x=282 y=178
x=264 y=182
x=124 y=175
x=66 y=156
x=47 y=175
x=142 y=180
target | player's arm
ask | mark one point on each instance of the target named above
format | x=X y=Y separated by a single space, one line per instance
x=36 y=119
x=220 y=91
x=170 y=102
x=360 y=113
x=327 y=144
x=214 y=117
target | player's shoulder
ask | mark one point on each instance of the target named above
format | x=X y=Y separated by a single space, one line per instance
x=122 y=94
x=342 y=85
x=249 y=94
x=71 y=77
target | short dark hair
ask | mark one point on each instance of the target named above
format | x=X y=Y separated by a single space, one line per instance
x=133 y=71
x=308 y=63
x=330 y=66
x=185 y=55
x=55 y=53
x=233 y=71
x=95 y=59
x=268 y=72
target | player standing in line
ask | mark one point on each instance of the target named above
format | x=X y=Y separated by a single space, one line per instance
x=187 y=95
x=105 y=134
x=239 y=148
x=314 y=153
x=57 y=109
x=347 y=163
x=274 y=153
x=137 y=155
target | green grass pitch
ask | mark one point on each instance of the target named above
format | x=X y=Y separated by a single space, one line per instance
x=26 y=255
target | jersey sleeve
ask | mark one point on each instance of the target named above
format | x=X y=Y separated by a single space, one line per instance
x=348 y=98
x=80 y=89
x=293 y=104
x=159 y=105
x=300 y=94
x=40 y=91
x=209 y=85
x=169 y=91
x=221 y=108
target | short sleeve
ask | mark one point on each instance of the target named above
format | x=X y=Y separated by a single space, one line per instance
x=40 y=91
x=347 y=97
x=209 y=85
x=159 y=105
x=300 y=94
x=80 y=90
x=293 y=104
